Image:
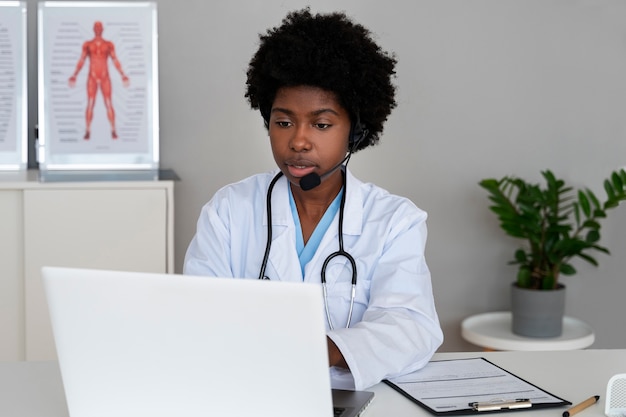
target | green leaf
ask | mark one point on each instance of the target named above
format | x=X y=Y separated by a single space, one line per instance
x=550 y=178
x=617 y=181
x=489 y=184
x=591 y=224
x=594 y=199
x=548 y=283
x=524 y=278
x=567 y=269
x=608 y=187
x=503 y=211
x=600 y=249
x=520 y=256
x=593 y=236
x=622 y=175
x=584 y=204
x=600 y=214
x=589 y=259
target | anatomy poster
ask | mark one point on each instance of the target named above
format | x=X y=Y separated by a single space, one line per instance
x=98 y=85
x=13 y=94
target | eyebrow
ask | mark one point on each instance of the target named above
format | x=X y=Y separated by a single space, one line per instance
x=314 y=113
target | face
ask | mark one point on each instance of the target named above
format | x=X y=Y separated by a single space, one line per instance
x=97 y=28
x=309 y=132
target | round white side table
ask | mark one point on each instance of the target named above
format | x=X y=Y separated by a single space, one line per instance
x=493 y=332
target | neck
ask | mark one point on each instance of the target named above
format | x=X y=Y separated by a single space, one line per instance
x=312 y=204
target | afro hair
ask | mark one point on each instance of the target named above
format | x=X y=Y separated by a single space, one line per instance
x=327 y=51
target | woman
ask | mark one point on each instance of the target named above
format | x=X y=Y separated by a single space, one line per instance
x=323 y=88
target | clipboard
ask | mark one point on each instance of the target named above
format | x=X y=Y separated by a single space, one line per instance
x=471 y=386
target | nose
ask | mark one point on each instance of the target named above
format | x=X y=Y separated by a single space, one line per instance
x=300 y=139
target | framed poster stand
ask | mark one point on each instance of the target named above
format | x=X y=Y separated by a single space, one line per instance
x=98 y=86
x=13 y=87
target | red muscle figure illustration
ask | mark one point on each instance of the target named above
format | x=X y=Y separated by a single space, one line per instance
x=98 y=50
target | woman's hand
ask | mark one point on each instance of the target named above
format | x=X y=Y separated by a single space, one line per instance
x=335 y=358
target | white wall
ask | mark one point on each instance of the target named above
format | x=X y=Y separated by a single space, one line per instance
x=485 y=88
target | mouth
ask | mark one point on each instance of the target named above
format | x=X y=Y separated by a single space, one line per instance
x=300 y=168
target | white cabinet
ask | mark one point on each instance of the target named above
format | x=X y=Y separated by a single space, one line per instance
x=123 y=225
x=11 y=275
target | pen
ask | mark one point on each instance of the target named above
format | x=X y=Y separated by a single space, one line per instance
x=495 y=405
x=581 y=406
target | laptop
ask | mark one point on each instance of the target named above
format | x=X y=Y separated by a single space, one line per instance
x=148 y=344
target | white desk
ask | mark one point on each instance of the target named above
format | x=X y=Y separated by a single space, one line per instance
x=33 y=389
x=493 y=331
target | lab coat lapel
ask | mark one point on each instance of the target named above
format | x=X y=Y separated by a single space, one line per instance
x=353 y=211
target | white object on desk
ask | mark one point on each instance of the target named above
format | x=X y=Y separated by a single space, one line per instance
x=493 y=331
x=616 y=396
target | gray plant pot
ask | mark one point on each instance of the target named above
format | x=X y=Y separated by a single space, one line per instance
x=537 y=313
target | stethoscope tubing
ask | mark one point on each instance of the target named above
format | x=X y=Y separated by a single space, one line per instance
x=268 y=208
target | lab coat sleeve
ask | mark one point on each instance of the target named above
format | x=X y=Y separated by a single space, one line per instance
x=399 y=331
x=208 y=253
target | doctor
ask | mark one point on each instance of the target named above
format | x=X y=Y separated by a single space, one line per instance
x=323 y=88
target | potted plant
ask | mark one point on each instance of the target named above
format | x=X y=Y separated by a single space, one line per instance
x=558 y=224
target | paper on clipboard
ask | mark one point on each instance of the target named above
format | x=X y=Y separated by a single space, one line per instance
x=453 y=386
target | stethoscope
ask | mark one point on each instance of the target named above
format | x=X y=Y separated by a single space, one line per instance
x=340 y=252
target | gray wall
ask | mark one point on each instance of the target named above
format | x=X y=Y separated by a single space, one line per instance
x=485 y=88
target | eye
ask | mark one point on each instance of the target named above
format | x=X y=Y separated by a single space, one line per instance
x=282 y=123
x=322 y=126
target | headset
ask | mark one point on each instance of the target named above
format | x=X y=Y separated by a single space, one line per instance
x=358 y=133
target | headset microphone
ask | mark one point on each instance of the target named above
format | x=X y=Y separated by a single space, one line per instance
x=312 y=180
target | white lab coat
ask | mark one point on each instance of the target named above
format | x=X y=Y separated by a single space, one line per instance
x=394 y=329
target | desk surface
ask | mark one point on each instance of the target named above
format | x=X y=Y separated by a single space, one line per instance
x=34 y=389
x=493 y=330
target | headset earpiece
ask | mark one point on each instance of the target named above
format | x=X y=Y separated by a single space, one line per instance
x=358 y=132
